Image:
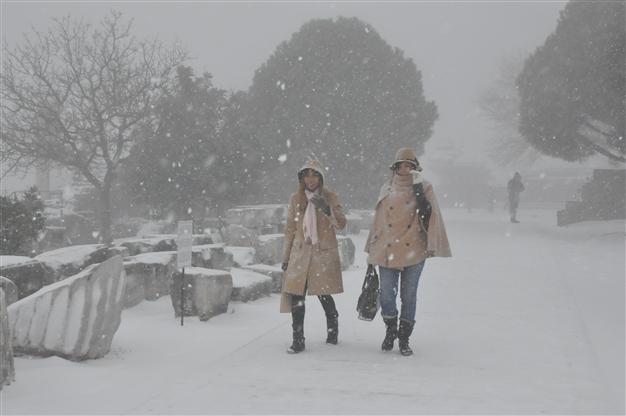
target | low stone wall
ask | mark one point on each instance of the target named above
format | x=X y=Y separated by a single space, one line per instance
x=7 y=367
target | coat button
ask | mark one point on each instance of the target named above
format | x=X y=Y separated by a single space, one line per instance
x=407 y=244
x=409 y=226
x=390 y=207
x=389 y=245
x=390 y=225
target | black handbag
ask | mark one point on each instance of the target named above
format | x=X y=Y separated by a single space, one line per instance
x=369 y=300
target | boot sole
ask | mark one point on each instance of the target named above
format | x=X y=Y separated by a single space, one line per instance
x=290 y=351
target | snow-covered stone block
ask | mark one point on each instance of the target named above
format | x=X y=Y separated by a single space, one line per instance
x=148 y=276
x=206 y=292
x=354 y=224
x=275 y=272
x=7 y=368
x=257 y=217
x=202 y=239
x=75 y=318
x=119 y=251
x=68 y=261
x=10 y=290
x=7 y=261
x=360 y=218
x=211 y=256
x=346 y=251
x=29 y=275
x=269 y=248
x=242 y=256
x=148 y=243
x=249 y=285
x=240 y=236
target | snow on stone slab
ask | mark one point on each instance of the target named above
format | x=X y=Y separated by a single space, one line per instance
x=249 y=285
x=273 y=271
x=6 y=261
x=211 y=256
x=157 y=257
x=76 y=255
x=75 y=318
x=242 y=256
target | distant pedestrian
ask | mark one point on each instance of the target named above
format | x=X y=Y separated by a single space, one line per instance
x=515 y=187
x=311 y=262
x=407 y=229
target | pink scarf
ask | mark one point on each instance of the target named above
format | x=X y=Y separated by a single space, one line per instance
x=310 y=220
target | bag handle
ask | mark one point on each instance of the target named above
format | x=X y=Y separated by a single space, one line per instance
x=370 y=272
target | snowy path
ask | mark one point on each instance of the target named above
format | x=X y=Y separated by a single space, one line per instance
x=526 y=318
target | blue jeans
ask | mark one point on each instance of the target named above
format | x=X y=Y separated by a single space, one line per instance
x=409 y=278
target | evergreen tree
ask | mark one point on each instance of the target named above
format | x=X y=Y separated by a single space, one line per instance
x=22 y=221
x=190 y=159
x=338 y=91
x=572 y=88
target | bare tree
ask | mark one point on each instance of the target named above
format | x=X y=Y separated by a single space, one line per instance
x=500 y=104
x=75 y=96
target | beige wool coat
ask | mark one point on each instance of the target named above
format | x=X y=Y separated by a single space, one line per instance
x=316 y=267
x=397 y=239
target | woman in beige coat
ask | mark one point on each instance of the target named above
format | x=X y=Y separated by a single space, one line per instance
x=311 y=255
x=407 y=229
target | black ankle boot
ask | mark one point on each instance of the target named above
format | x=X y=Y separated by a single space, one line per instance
x=404 y=332
x=332 y=328
x=392 y=333
x=298 y=343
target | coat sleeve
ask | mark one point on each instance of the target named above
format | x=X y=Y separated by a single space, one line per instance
x=337 y=217
x=377 y=214
x=290 y=229
x=437 y=243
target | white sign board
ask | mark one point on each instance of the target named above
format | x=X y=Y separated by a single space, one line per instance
x=184 y=241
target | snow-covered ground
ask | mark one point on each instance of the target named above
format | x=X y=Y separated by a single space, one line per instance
x=525 y=318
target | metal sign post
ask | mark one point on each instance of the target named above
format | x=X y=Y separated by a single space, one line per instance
x=183 y=243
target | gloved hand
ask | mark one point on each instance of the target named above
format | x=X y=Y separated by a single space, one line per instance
x=321 y=203
x=284 y=266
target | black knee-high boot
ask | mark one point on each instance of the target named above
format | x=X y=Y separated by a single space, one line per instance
x=297 y=318
x=332 y=318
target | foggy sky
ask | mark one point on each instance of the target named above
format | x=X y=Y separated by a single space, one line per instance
x=456 y=45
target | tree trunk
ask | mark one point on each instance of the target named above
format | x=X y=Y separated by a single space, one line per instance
x=104 y=210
